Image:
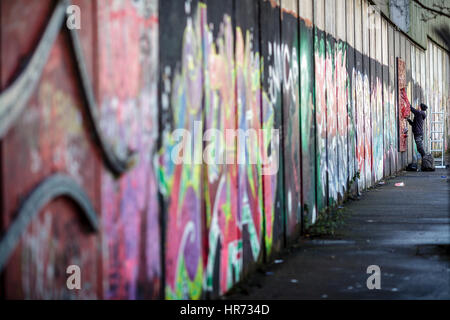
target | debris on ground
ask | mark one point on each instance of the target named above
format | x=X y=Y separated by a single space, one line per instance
x=278 y=261
x=400 y=184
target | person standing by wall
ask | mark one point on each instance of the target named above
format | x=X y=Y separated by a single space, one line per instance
x=417 y=125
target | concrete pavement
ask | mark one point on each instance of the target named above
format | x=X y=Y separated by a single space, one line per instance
x=403 y=230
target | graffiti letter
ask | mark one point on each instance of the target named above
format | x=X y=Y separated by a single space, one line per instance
x=374 y=281
x=74 y=281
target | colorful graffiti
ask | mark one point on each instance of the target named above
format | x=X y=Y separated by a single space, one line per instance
x=288 y=53
x=181 y=184
x=225 y=224
x=54 y=241
x=225 y=256
x=368 y=159
x=403 y=111
x=332 y=114
x=357 y=81
x=180 y=221
x=342 y=115
x=250 y=149
x=307 y=111
x=377 y=127
x=272 y=118
x=321 y=120
x=129 y=117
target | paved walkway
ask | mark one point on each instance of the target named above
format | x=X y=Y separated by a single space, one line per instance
x=403 y=230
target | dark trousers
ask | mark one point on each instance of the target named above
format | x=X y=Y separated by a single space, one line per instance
x=419 y=143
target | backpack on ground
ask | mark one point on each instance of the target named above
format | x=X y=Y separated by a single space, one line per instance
x=428 y=163
x=412 y=167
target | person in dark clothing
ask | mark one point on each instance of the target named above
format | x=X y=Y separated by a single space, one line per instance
x=417 y=126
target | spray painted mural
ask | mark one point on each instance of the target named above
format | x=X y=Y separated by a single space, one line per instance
x=342 y=125
x=130 y=137
x=307 y=112
x=272 y=118
x=332 y=115
x=403 y=105
x=351 y=99
x=233 y=191
x=366 y=102
x=181 y=181
x=250 y=150
x=321 y=120
x=288 y=53
x=224 y=256
x=128 y=58
x=47 y=222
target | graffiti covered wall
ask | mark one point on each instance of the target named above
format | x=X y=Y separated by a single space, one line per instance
x=118 y=134
x=127 y=93
x=307 y=113
x=403 y=105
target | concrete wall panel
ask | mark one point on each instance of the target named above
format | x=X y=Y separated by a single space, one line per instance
x=291 y=115
x=307 y=112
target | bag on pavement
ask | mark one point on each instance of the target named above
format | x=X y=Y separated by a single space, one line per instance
x=412 y=167
x=428 y=163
